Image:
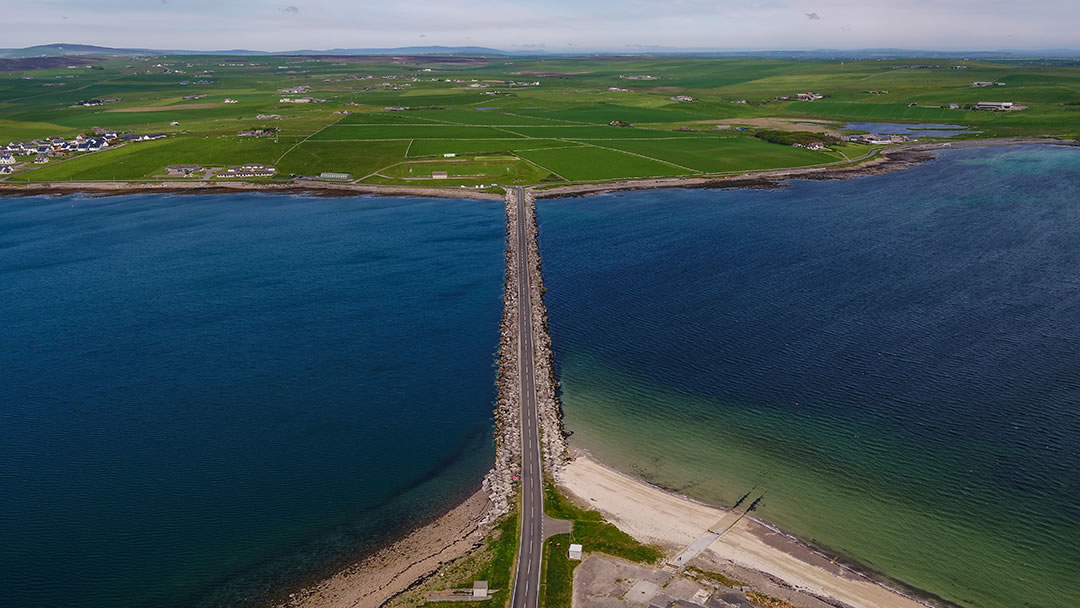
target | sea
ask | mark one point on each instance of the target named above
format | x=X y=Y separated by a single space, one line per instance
x=206 y=400
x=892 y=361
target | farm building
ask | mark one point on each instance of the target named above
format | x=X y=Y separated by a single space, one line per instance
x=994 y=105
x=439 y=175
x=183 y=170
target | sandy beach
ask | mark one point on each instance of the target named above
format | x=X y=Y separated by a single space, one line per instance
x=652 y=515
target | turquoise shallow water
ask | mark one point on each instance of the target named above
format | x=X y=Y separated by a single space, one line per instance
x=205 y=398
x=893 y=361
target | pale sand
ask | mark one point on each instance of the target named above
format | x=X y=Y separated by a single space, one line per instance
x=654 y=516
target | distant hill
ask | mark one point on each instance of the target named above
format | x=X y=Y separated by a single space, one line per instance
x=67 y=50
x=62 y=50
x=405 y=50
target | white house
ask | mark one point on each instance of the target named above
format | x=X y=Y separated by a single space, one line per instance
x=7 y=159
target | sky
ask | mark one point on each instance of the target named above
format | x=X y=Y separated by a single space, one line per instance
x=548 y=25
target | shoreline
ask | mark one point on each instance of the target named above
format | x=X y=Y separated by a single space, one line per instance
x=654 y=514
x=882 y=162
x=879 y=162
x=409 y=561
x=310 y=188
x=393 y=570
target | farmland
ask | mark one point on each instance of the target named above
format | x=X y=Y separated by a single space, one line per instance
x=550 y=120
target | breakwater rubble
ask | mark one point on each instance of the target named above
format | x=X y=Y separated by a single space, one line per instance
x=548 y=407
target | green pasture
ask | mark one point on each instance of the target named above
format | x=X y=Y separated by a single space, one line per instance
x=719 y=155
x=561 y=125
x=468 y=170
x=588 y=163
x=432 y=147
x=433 y=131
x=476 y=117
x=358 y=158
x=601 y=132
x=384 y=118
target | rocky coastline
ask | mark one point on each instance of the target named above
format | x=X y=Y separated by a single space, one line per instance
x=411 y=561
x=301 y=187
x=549 y=408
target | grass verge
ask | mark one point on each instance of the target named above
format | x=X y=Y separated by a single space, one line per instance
x=493 y=562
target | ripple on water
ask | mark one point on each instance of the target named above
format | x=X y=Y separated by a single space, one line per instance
x=893 y=359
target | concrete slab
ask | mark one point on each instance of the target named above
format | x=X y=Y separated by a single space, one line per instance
x=700 y=544
x=642 y=592
x=556 y=526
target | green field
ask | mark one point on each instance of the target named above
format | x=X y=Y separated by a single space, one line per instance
x=432 y=147
x=719 y=155
x=433 y=131
x=559 y=128
x=593 y=163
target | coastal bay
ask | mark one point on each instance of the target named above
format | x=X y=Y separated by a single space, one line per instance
x=211 y=398
x=888 y=360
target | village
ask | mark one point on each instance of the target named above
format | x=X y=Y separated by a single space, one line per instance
x=44 y=150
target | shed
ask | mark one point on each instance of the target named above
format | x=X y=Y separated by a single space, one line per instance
x=575 y=551
x=480 y=589
x=439 y=175
x=331 y=175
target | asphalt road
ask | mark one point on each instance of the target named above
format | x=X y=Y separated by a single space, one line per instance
x=526 y=592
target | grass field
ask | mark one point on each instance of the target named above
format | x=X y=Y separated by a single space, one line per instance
x=431 y=147
x=593 y=163
x=561 y=125
x=433 y=131
x=717 y=155
x=507 y=170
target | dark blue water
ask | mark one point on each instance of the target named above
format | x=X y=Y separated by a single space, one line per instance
x=894 y=361
x=204 y=398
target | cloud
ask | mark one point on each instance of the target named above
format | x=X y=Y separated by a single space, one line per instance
x=813 y=17
x=291 y=9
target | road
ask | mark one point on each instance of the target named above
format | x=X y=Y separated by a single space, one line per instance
x=526 y=592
